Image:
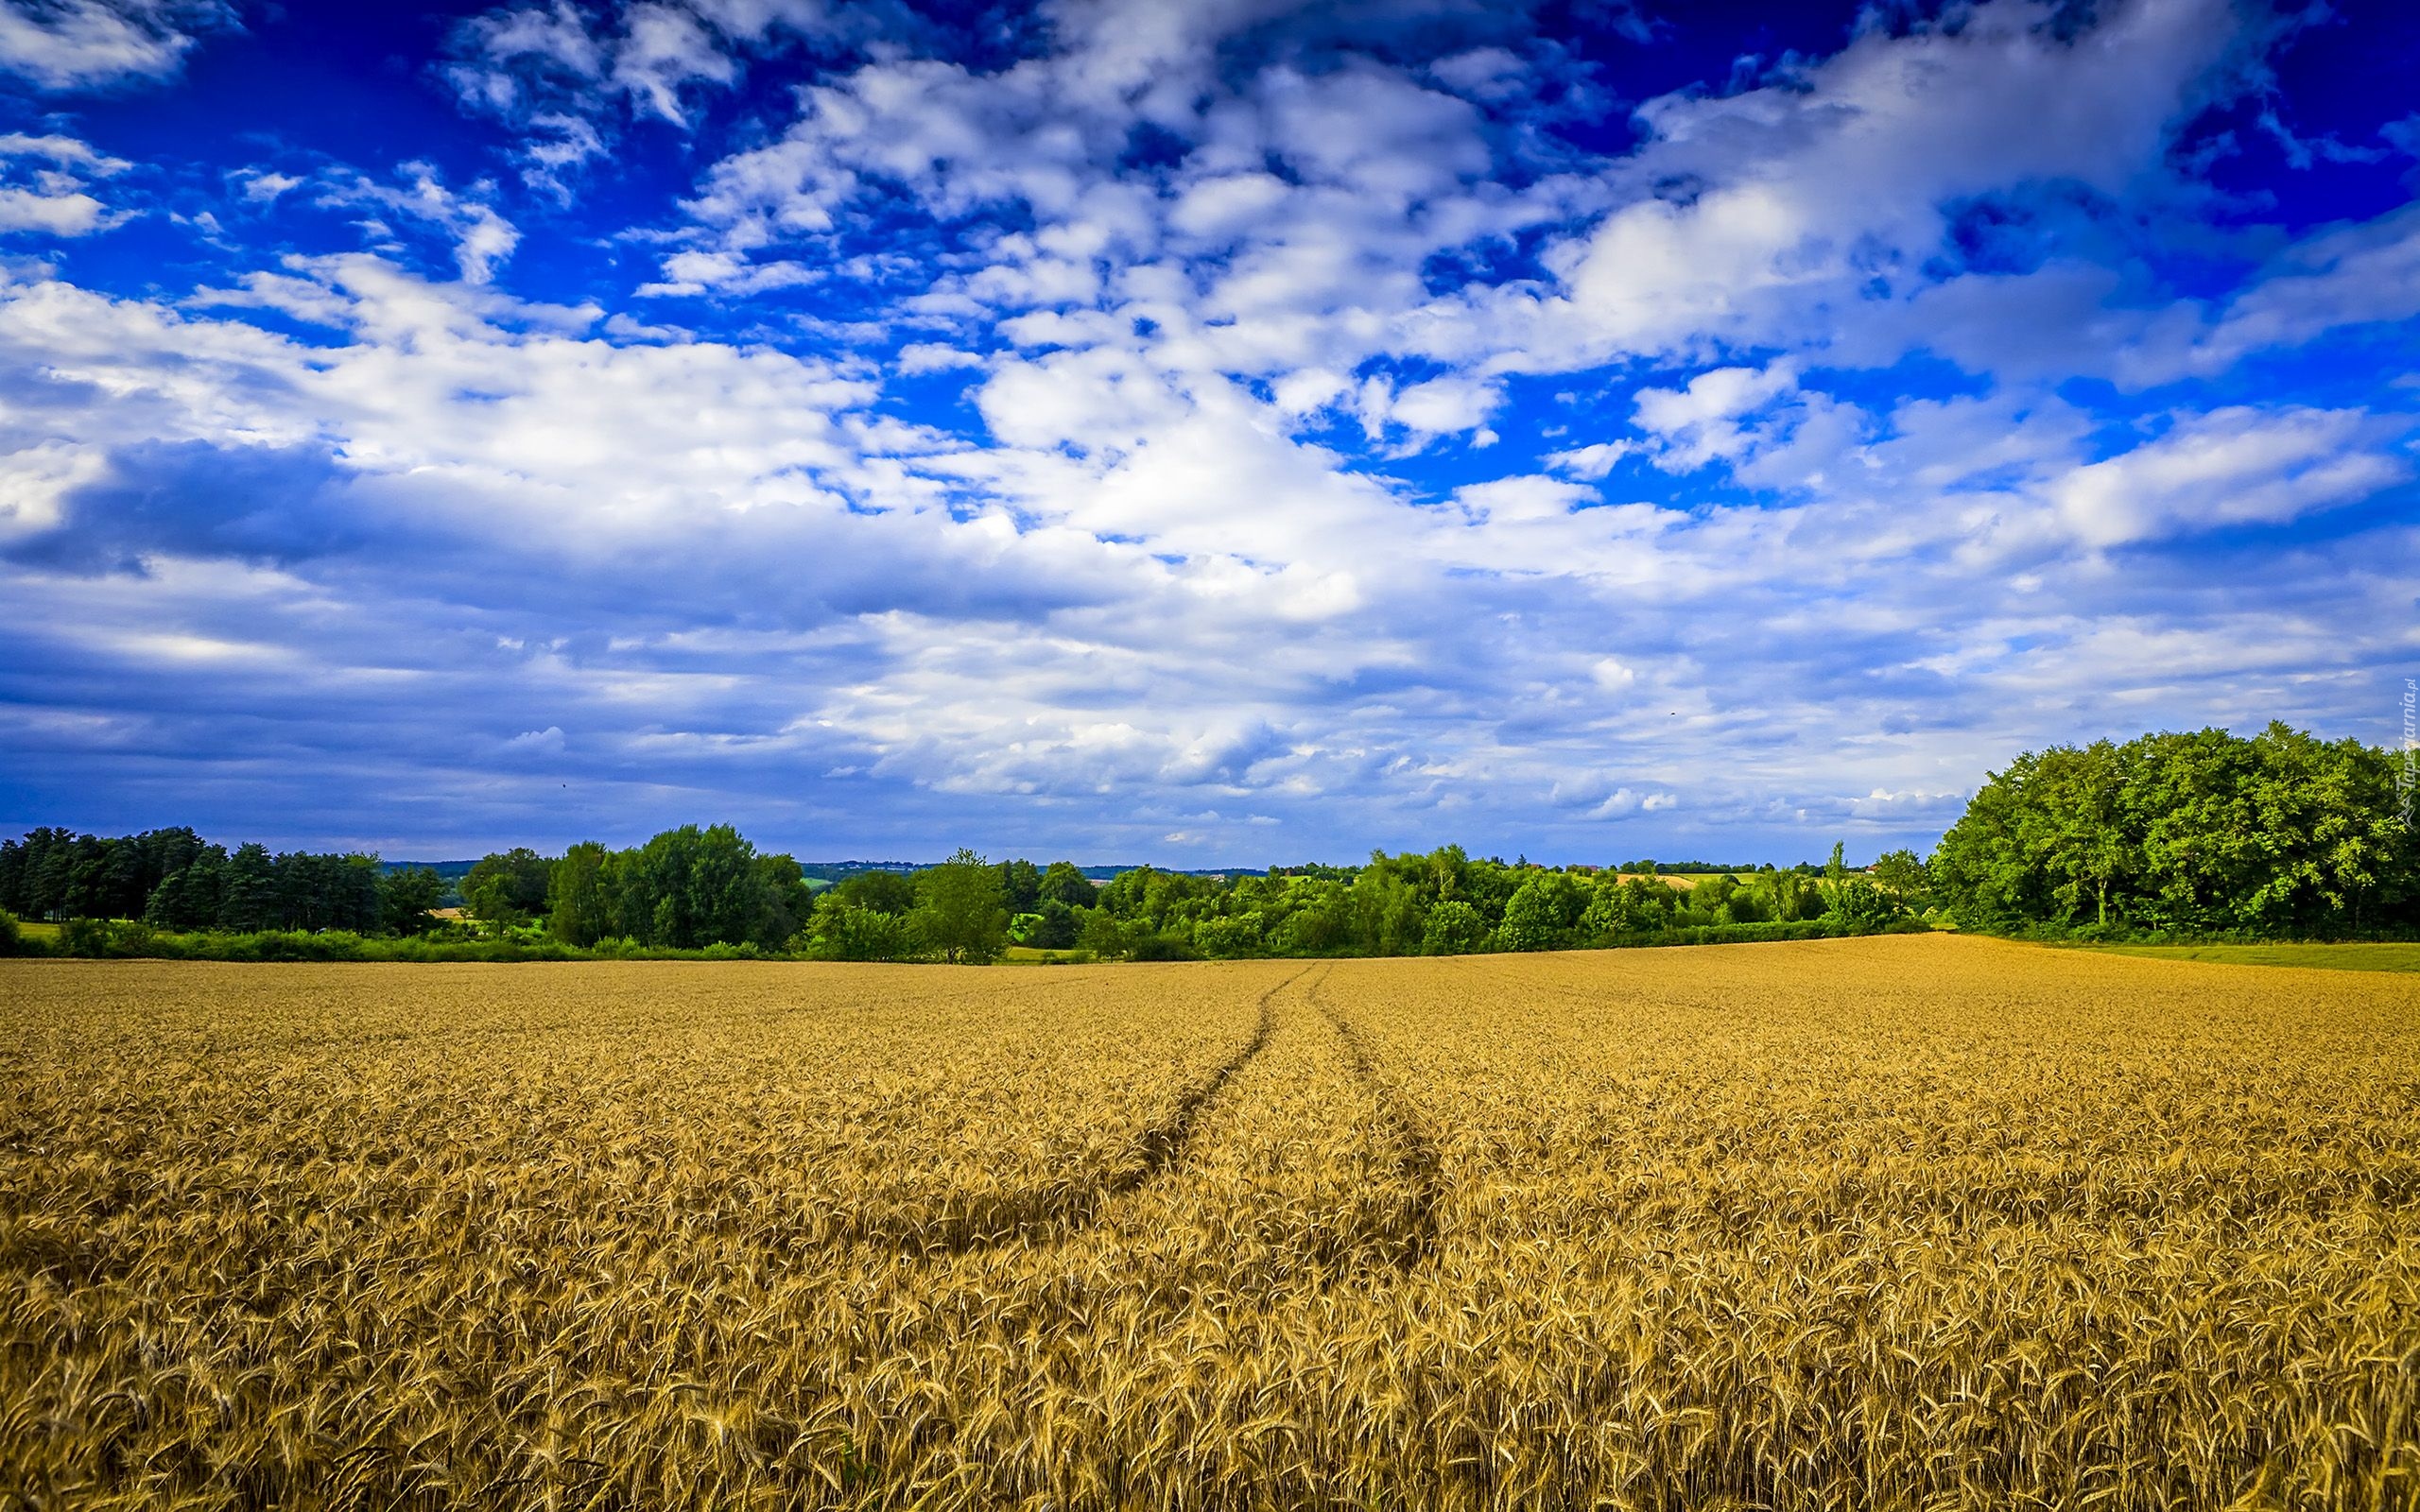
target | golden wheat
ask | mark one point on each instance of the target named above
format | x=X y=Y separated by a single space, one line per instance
x=1893 y=1223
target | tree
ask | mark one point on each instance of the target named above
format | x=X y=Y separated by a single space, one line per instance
x=508 y=888
x=1020 y=886
x=1453 y=928
x=1103 y=934
x=885 y=892
x=1064 y=883
x=1388 y=918
x=405 y=898
x=1055 y=927
x=959 y=911
x=844 y=931
x=190 y=896
x=780 y=903
x=1229 y=936
x=1542 y=911
x=2198 y=832
x=1902 y=875
x=248 y=899
x=580 y=908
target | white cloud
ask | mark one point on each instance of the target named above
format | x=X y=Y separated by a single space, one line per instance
x=70 y=212
x=481 y=238
x=1593 y=461
x=1764 y=215
x=1483 y=72
x=1700 y=424
x=933 y=357
x=2360 y=274
x=77 y=44
x=53 y=200
x=2233 y=466
x=1441 y=407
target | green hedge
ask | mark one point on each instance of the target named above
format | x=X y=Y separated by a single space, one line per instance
x=125 y=939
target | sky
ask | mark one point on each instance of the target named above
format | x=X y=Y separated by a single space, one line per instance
x=1213 y=432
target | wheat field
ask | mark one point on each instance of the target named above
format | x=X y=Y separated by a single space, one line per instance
x=1907 y=1222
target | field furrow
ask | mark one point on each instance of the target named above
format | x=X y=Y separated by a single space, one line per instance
x=1075 y=1196
x=1416 y=1156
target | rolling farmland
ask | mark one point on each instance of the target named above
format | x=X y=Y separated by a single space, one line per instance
x=1913 y=1221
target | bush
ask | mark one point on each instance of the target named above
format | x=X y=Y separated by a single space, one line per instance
x=1454 y=928
x=846 y=931
x=1158 y=948
x=1225 y=938
x=12 y=939
x=106 y=938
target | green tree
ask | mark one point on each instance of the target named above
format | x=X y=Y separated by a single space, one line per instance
x=1543 y=912
x=1901 y=874
x=843 y=931
x=1020 y=886
x=1064 y=883
x=191 y=896
x=1453 y=928
x=885 y=892
x=2198 y=832
x=248 y=900
x=580 y=905
x=1229 y=936
x=406 y=897
x=959 y=910
x=508 y=888
x=1054 y=926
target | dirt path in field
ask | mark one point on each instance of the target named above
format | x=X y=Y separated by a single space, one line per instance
x=1416 y=1155
x=1165 y=1141
x=1050 y=1212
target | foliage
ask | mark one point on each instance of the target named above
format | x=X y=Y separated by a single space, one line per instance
x=959 y=911
x=2278 y=837
x=1453 y=928
x=508 y=888
x=684 y=889
x=1902 y=874
x=885 y=892
x=12 y=939
x=1229 y=935
x=1063 y=883
x=844 y=931
x=695 y=888
x=1052 y=926
x=406 y=897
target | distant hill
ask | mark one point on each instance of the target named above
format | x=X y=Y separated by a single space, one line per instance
x=449 y=873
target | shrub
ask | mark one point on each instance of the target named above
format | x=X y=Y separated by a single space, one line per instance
x=1158 y=948
x=1224 y=938
x=1453 y=928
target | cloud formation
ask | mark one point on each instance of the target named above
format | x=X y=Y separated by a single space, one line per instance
x=1208 y=433
x=82 y=45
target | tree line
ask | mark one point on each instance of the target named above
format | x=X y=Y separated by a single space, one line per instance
x=709 y=888
x=2200 y=834
x=173 y=879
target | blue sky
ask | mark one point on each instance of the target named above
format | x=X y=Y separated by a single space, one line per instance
x=1209 y=433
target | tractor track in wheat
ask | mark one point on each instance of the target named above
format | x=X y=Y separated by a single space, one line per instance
x=1418 y=1163
x=1049 y=1212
